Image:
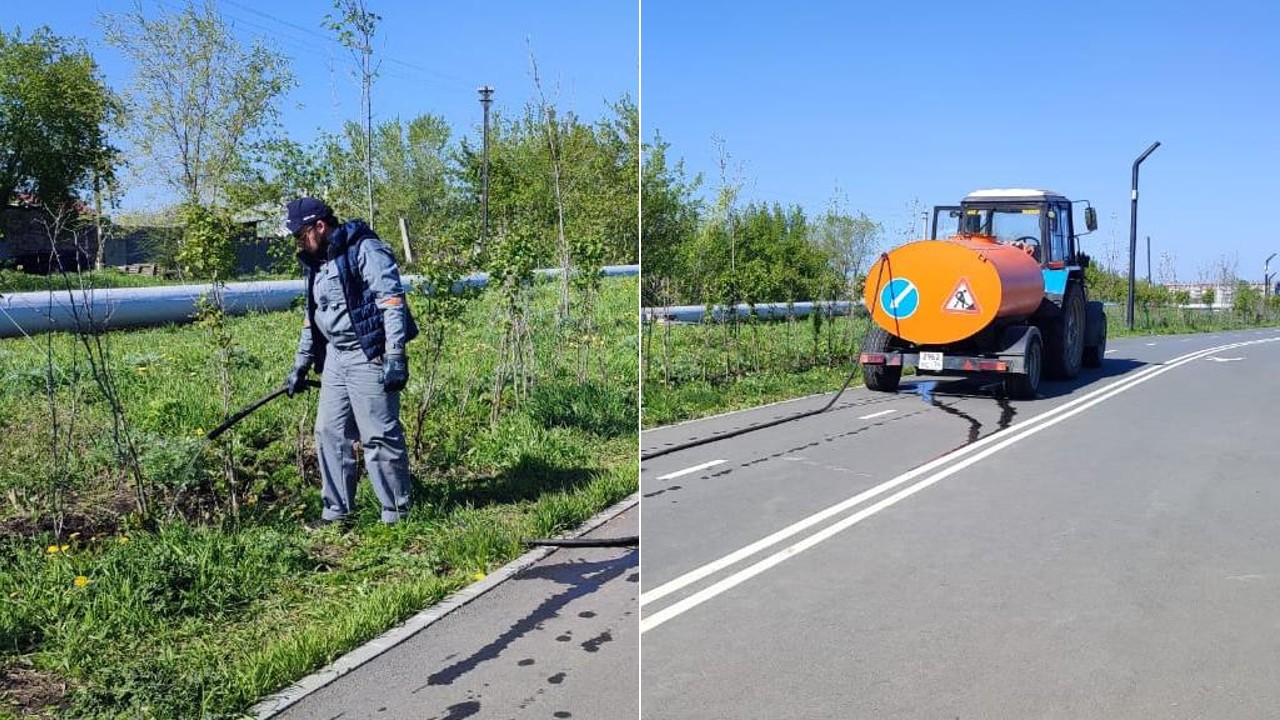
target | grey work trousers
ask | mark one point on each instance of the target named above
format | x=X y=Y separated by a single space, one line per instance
x=353 y=406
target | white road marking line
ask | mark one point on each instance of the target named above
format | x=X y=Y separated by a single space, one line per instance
x=1005 y=437
x=777 y=537
x=1109 y=352
x=1151 y=344
x=686 y=471
x=876 y=415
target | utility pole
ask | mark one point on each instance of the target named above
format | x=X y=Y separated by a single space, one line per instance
x=1148 y=259
x=1133 y=230
x=486 y=99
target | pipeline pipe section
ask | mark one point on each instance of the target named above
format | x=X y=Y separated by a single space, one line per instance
x=764 y=311
x=101 y=309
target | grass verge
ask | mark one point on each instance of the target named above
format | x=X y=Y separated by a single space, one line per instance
x=218 y=597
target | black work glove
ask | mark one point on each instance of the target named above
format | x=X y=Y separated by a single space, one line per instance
x=297 y=380
x=395 y=373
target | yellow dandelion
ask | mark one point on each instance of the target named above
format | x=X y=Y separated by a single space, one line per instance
x=478 y=576
x=52 y=550
x=64 y=548
x=199 y=431
x=81 y=581
x=122 y=539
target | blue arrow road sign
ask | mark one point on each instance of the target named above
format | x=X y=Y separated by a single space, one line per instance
x=900 y=298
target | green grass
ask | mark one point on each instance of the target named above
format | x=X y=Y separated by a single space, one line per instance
x=1182 y=321
x=12 y=281
x=693 y=371
x=208 y=606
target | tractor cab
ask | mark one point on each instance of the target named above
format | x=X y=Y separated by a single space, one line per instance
x=1036 y=221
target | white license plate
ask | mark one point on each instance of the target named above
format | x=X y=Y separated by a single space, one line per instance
x=930 y=361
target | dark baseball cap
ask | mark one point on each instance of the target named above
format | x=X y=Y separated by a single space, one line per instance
x=304 y=211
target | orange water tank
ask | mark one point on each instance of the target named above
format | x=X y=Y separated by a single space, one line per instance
x=936 y=292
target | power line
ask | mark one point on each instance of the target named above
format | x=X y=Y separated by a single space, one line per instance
x=329 y=38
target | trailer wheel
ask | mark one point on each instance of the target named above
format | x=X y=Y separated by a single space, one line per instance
x=1025 y=386
x=1065 y=341
x=1096 y=323
x=881 y=378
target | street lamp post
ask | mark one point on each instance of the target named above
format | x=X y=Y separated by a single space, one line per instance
x=1133 y=230
x=1266 y=280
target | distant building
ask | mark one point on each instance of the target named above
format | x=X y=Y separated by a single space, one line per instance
x=25 y=242
x=1224 y=295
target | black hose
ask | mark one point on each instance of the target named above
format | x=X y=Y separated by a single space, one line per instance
x=245 y=411
x=625 y=541
x=778 y=421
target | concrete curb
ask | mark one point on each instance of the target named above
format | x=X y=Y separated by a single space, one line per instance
x=279 y=702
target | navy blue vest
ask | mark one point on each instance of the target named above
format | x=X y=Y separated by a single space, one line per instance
x=366 y=316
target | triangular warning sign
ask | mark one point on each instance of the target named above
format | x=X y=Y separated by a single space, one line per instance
x=962 y=300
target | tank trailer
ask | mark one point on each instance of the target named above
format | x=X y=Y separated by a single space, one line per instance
x=998 y=287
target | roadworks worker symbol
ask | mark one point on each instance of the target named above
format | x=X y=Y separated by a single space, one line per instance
x=961 y=300
x=900 y=298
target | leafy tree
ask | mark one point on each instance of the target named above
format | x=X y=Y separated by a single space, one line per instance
x=1209 y=296
x=355 y=28
x=1247 y=300
x=670 y=211
x=55 y=113
x=412 y=161
x=848 y=241
x=208 y=249
x=201 y=101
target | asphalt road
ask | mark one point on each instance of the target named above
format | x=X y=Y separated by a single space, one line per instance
x=1109 y=549
x=556 y=639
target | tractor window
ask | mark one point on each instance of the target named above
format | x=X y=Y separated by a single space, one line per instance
x=1009 y=226
x=1006 y=226
x=1059 y=217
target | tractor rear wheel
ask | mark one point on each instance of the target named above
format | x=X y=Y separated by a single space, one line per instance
x=1065 y=341
x=881 y=378
x=1024 y=386
x=1096 y=318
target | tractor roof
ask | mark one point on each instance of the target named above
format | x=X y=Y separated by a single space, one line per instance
x=1012 y=195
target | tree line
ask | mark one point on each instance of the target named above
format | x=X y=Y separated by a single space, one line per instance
x=201 y=117
x=722 y=252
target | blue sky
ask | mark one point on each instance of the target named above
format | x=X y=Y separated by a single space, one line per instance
x=434 y=56
x=900 y=103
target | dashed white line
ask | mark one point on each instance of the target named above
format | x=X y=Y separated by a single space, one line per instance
x=876 y=415
x=688 y=470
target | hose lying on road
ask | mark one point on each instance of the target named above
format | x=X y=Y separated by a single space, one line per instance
x=752 y=428
x=771 y=423
x=626 y=541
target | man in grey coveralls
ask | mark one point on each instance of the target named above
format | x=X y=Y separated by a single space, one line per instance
x=354 y=334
